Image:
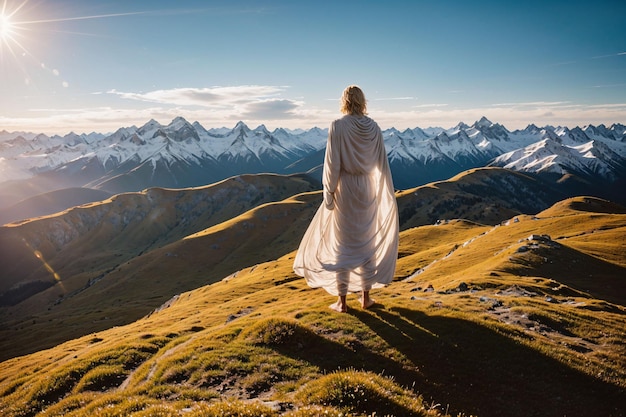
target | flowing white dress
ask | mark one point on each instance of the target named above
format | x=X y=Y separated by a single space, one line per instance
x=352 y=242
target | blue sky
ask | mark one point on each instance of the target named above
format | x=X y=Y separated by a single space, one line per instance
x=93 y=65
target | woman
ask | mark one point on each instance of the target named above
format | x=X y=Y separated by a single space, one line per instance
x=351 y=244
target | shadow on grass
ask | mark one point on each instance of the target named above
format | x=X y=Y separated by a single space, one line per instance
x=329 y=355
x=481 y=372
x=600 y=279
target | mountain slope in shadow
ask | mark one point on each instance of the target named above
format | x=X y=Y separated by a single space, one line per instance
x=51 y=202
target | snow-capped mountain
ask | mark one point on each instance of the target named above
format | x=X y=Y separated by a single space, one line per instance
x=444 y=153
x=183 y=154
x=176 y=155
x=588 y=159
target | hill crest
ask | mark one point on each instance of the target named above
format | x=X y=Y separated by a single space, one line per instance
x=579 y=204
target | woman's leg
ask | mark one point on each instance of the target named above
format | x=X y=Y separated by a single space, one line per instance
x=366 y=301
x=367 y=271
x=342 y=289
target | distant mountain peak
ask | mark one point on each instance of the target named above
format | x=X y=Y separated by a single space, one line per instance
x=151 y=123
x=150 y=126
x=483 y=122
x=262 y=129
x=241 y=125
x=532 y=128
x=461 y=126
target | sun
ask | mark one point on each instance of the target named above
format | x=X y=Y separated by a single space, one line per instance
x=10 y=31
x=6 y=27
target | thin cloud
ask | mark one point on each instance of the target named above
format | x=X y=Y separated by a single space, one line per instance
x=214 y=11
x=609 y=55
x=609 y=85
x=426 y=106
x=206 y=97
x=394 y=98
x=279 y=112
x=532 y=103
x=576 y=61
x=608 y=106
x=512 y=116
x=68 y=19
x=272 y=109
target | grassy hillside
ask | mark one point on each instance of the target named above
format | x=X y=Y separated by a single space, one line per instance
x=109 y=263
x=485 y=195
x=524 y=318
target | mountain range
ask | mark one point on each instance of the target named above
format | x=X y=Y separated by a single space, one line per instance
x=183 y=154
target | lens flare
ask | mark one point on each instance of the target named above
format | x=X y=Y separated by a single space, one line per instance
x=10 y=30
x=5 y=27
x=46 y=265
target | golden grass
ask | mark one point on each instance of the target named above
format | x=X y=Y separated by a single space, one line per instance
x=362 y=392
x=532 y=334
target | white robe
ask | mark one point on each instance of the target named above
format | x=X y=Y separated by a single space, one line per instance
x=353 y=237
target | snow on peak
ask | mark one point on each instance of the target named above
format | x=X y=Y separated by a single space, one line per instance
x=561 y=156
x=457 y=128
x=149 y=128
x=593 y=149
x=199 y=128
x=151 y=124
x=483 y=122
x=262 y=129
x=241 y=126
x=178 y=122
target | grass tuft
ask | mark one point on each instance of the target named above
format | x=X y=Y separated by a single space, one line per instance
x=233 y=409
x=316 y=411
x=362 y=392
x=102 y=378
x=277 y=331
x=273 y=332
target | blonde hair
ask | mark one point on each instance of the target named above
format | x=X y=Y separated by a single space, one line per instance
x=353 y=101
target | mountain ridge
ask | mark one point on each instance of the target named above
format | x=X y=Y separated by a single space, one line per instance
x=183 y=154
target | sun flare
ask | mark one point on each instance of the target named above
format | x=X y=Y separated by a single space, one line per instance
x=6 y=27
x=9 y=31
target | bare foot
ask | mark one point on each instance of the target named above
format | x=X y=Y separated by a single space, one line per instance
x=338 y=307
x=367 y=303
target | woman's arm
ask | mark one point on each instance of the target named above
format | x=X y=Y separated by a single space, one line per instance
x=332 y=167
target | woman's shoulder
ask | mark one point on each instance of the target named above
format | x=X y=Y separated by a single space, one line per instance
x=342 y=119
x=337 y=124
x=349 y=119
